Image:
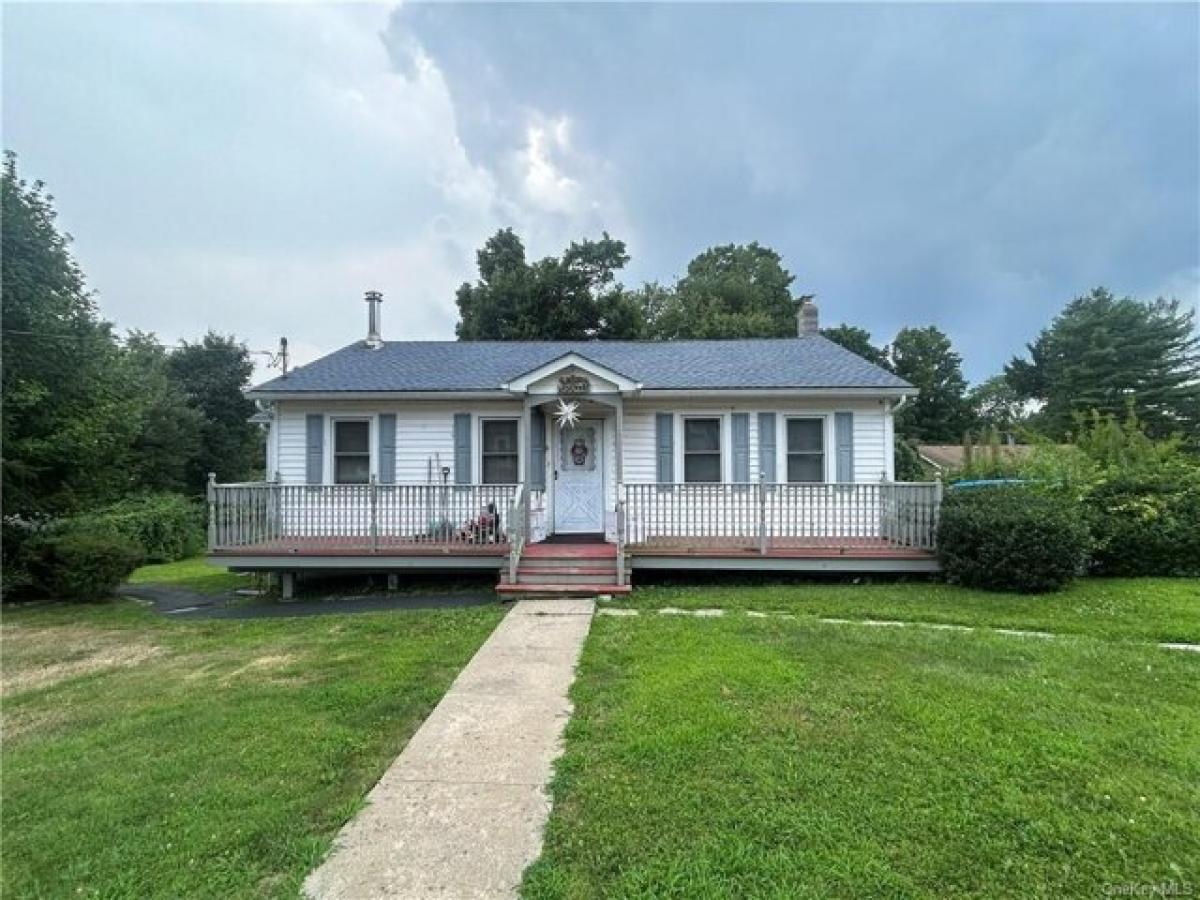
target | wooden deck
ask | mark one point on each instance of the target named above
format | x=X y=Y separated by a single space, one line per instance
x=863 y=548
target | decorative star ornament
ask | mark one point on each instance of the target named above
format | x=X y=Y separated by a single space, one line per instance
x=567 y=413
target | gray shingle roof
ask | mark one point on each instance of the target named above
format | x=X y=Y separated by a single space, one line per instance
x=809 y=361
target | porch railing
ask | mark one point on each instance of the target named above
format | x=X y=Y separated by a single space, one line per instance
x=361 y=517
x=772 y=516
x=518 y=531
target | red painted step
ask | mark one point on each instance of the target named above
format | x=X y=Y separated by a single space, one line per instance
x=522 y=571
x=589 y=590
x=570 y=551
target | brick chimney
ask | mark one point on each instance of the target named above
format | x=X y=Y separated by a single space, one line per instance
x=373 y=341
x=808 y=320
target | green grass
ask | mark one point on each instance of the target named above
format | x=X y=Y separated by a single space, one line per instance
x=193 y=574
x=741 y=757
x=146 y=757
x=1137 y=609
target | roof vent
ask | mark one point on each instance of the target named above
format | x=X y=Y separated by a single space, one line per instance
x=808 y=320
x=373 y=341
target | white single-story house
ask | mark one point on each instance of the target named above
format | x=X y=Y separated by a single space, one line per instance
x=567 y=465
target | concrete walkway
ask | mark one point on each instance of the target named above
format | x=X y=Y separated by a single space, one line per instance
x=460 y=813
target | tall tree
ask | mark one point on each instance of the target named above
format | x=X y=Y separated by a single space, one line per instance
x=572 y=297
x=66 y=415
x=1102 y=351
x=995 y=404
x=169 y=435
x=735 y=290
x=940 y=413
x=858 y=340
x=212 y=374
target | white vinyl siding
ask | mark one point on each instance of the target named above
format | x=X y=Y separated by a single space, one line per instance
x=425 y=436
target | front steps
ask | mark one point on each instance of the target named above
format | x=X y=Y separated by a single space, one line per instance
x=583 y=570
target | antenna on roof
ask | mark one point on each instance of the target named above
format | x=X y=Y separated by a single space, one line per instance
x=374 y=341
x=279 y=359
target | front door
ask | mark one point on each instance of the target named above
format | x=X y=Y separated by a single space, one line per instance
x=579 y=478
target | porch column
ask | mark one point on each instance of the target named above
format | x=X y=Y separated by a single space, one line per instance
x=620 y=418
x=526 y=428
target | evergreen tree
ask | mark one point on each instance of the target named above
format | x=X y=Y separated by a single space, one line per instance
x=858 y=340
x=1101 y=352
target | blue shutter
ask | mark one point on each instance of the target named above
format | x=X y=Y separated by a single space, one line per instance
x=740 y=433
x=766 y=447
x=314 y=449
x=462 y=448
x=537 y=449
x=387 y=448
x=843 y=429
x=664 y=424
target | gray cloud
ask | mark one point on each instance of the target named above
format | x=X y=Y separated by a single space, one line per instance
x=254 y=168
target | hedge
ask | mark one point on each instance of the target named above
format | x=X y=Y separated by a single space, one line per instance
x=1146 y=524
x=166 y=526
x=1011 y=538
x=79 y=566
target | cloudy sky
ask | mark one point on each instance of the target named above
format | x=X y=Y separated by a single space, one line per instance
x=254 y=168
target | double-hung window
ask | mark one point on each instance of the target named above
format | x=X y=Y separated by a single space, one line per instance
x=702 y=450
x=499 y=463
x=351 y=451
x=806 y=450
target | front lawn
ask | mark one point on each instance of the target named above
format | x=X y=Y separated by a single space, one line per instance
x=146 y=757
x=1137 y=609
x=748 y=757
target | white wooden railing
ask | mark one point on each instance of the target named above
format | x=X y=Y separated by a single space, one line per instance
x=766 y=516
x=518 y=531
x=361 y=517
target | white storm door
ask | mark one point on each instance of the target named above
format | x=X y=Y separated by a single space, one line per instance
x=579 y=477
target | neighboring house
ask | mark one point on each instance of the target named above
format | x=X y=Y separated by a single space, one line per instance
x=946 y=459
x=566 y=464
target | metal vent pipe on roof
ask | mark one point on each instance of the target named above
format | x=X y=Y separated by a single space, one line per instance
x=374 y=341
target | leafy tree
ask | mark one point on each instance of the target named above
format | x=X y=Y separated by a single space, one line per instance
x=66 y=414
x=731 y=291
x=212 y=374
x=996 y=405
x=940 y=413
x=1101 y=351
x=168 y=439
x=858 y=340
x=572 y=297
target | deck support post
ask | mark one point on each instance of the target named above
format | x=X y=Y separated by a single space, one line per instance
x=287 y=585
x=374 y=495
x=393 y=581
x=211 y=493
x=762 y=516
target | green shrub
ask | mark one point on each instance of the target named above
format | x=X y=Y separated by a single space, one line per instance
x=1146 y=523
x=1011 y=538
x=75 y=565
x=166 y=526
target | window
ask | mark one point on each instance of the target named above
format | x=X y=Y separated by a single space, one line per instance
x=499 y=451
x=702 y=450
x=351 y=452
x=806 y=450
